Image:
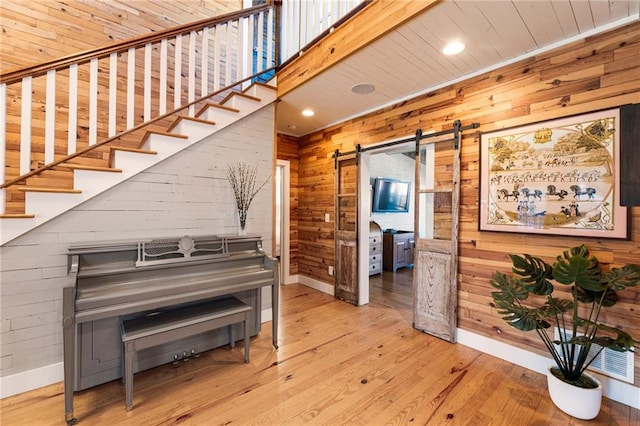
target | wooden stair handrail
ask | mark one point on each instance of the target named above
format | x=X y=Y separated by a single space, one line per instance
x=16 y=74
x=138 y=127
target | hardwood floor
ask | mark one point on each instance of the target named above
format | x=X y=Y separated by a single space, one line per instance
x=337 y=365
x=393 y=290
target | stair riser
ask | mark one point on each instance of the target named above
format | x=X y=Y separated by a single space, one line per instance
x=243 y=104
x=260 y=91
x=93 y=182
x=131 y=163
x=165 y=145
x=47 y=205
x=221 y=117
x=195 y=130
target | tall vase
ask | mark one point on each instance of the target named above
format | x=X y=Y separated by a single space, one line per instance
x=242 y=219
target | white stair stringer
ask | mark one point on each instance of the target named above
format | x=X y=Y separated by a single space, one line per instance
x=48 y=205
x=52 y=203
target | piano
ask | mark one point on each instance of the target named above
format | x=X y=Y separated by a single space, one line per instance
x=118 y=280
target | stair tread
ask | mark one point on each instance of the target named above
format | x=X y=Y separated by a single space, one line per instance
x=17 y=216
x=138 y=150
x=44 y=189
x=173 y=135
x=91 y=168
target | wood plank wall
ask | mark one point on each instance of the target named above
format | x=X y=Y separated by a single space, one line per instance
x=39 y=30
x=596 y=73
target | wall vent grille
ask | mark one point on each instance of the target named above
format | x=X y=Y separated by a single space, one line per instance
x=618 y=365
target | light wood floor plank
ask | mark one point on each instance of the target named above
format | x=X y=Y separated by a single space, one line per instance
x=337 y=365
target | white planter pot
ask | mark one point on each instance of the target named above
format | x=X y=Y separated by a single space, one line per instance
x=577 y=402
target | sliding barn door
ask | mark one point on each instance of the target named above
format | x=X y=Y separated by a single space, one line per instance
x=346 y=229
x=436 y=237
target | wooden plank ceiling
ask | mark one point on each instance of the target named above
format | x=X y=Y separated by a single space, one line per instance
x=408 y=60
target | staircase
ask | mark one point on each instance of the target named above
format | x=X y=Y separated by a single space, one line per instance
x=43 y=203
x=201 y=70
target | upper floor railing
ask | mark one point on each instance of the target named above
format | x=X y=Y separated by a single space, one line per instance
x=304 y=22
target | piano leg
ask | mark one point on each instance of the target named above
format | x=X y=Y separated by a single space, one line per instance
x=275 y=302
x=68 y=346
x=247 y=333
x=274 y=264
x=129 y=350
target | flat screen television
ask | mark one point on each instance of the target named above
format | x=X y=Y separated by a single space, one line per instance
x=390 y=195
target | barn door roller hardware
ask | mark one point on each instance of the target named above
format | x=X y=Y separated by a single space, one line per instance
x=456 y=130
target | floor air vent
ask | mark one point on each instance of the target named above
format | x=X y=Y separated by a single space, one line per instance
x=618 y=365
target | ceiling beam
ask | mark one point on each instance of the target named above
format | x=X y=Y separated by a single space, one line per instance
x=374 y=21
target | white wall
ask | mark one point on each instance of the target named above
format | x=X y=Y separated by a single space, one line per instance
x=396 y=166
x=187 y=194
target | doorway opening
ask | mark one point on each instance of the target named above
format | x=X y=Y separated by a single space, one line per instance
x=387 y=226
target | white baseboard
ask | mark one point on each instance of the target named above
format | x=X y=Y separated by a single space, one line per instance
x=31 y=379
x=616 y=390
x=290 y=279
x=266 y=315
x=317 y=285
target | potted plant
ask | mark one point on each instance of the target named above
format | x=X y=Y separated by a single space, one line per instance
x=589 y=287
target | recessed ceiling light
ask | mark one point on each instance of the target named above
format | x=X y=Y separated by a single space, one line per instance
x=453 y=48
x=308 y=112
x=362 y=88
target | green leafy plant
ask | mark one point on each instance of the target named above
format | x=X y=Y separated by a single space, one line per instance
x=590 y=290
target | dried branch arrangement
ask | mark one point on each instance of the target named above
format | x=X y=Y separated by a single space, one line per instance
x=242 y=177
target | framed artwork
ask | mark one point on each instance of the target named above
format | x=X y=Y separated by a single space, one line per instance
x=559 y=177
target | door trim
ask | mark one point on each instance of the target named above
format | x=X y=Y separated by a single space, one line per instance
x=285 y=257
x=364 y=216
x=346 y=272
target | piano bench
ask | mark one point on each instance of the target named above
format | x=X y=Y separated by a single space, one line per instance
x=170 y=325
